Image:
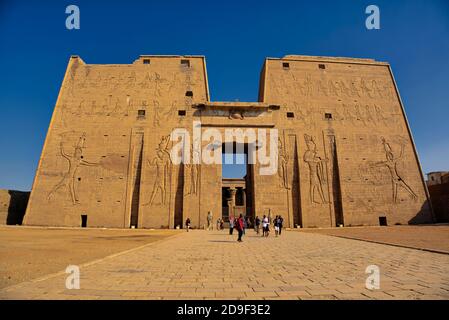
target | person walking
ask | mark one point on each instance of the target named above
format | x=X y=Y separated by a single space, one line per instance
x=209 y=221
x=218 y=224
x=257 y=224
x=221 y=224
x=280 y=224
x=265 y=226
x=188 y=224
x=276 y=225
x=240 y=225
x=231 y=225
x=245 y=225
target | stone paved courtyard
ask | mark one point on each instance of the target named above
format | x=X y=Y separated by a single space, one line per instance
x=212 y=265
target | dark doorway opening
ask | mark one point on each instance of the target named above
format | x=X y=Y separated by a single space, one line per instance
x=383 y=221
x=84 y=221
x=237 y=181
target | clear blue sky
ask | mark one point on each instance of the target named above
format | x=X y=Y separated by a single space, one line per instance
x=235 y=37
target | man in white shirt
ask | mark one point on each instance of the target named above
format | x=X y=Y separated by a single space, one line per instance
x=265 y=226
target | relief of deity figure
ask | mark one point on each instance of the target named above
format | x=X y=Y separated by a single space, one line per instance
x=192 y=173
x=354 y=90
x=316 y=171
x=131 y=80
x=162 y=162
x=157 y=114
x=171 y=112
x=308 y=84
x=334 y=88
x=376 y=90
x=158 y=84
x=364 y=86
x=283 y=161
x=344 y=88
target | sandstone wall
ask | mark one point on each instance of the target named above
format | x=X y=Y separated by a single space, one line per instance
x=109 y=124
x=355 y=152
x=346 y=155
x=12 y=206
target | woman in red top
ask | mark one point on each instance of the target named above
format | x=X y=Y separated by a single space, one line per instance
x=239 y=226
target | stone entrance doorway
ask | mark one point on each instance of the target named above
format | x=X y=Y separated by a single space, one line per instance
x=237 y=185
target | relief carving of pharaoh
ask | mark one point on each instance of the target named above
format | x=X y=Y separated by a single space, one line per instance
x=317 y=171
x=391 y=163
x=162 y=163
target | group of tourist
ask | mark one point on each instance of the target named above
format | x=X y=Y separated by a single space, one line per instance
x=278 y=223
x=233 y=224
x=241 y=224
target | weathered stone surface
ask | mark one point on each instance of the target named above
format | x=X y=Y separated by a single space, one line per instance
x=12 y=206
x=346 y=155
x=198 y=265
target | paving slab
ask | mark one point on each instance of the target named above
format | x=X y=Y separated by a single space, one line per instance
x=295 y=265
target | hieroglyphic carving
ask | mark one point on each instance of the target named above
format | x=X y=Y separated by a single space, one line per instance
x=145 y=83
x=75 y=161
x=191 y=77
x=285 y=85
x=348 y=115
x=283 y=162
x=364 y=88
x=119 y=82
x=355 y=92
x=359 y=115
x=158 y=84
x=63 y=112
x=296 y=107
x=78 y=109
x=322 y=89
x=152 y=81
x=170 y=112
x=157 y=114
x=298 y=86
x=317 y=171
x=188 y=101
x=369 y=174
x=131 y=80
x=173 y=84
x=192 y=173
x=162 y=162
x=160 y=116
x=366 y=115
x=334 y=88
x=119 y=108
x=376 y=90
x=380 y=118
x=391 y=163
x=309 y=86
x=307 y=115
x=389 y=91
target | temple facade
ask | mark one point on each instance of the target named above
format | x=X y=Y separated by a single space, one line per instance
x=327 y=144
